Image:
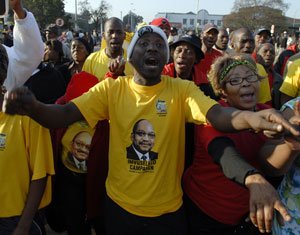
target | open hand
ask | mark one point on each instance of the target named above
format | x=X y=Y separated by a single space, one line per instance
x=263 y=201
x=272 y=122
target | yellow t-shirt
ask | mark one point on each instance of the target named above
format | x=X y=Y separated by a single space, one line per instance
x=291 y=83
x=146 y=188
x=264 y=87
x=289 y=62
x=25 y=155
x=97 y=64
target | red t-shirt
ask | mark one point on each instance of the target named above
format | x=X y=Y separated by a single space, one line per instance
x=197 y=75
x=207 y=186
x=204 y=65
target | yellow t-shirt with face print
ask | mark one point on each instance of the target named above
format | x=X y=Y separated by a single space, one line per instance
x=153 y=187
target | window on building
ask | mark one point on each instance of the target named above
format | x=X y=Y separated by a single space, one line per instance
x=192 y=21
x=205 y=22
x=212 y=21
x=184 y=21
x=199 y=22
x=219 y=22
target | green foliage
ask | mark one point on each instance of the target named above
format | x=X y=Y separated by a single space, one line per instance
x=275 y=4
x=47 y=11
x=256 y=14
x=132 y=20
x=96 y=16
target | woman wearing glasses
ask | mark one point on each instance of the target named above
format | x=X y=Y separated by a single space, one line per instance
x=218 y=197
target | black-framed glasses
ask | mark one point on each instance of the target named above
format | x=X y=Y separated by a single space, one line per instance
x=143 y=134
x=237 y=81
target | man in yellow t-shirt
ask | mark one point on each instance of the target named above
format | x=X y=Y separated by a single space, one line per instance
x=144 y=196
x=98 y=62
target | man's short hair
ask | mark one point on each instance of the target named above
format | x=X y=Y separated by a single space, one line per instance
x=136 y=125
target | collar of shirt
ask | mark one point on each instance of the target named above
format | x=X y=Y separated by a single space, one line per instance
x=140 y=155
x=78 y=163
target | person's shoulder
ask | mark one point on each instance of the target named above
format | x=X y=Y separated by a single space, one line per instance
x=171 y=81
x=121 y=81
x=168 y=69
x=261 y=70
x=153 y=155
x=216 y=52
x=295 y=62
x=129 y=148
x=293 y=66
x=28 y=19
x=294 y=57
x=177 y=82
x=96 y=54
x=131 y=154
x=29 y=122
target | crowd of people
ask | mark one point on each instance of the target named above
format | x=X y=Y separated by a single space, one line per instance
x=169 y=134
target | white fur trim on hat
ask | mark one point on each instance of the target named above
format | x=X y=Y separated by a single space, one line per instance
x=147 y=29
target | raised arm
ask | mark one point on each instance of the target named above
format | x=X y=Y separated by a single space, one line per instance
x=28 y=49
x=16 y=6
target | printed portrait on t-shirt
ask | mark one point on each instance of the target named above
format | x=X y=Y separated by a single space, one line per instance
x=143 y=140
x=76 y=144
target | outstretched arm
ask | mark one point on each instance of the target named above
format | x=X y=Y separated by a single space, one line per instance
x=279 y=154
x=228 y=119
x=22 y=101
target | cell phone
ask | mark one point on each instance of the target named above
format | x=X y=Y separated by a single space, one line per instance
x=3 y=7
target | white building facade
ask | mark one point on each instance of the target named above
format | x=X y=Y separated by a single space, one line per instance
x=190 y=20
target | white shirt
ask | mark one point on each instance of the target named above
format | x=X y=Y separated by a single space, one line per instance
x=140 y=155
x=80 y=165
x=26 y=54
